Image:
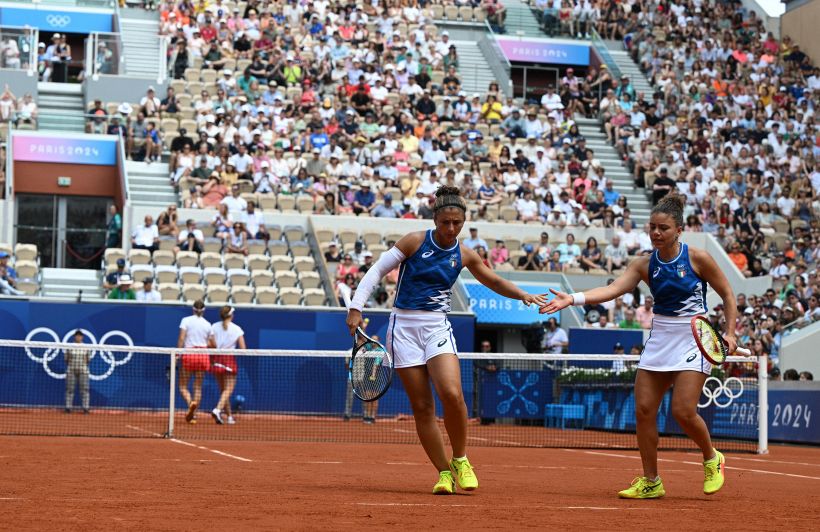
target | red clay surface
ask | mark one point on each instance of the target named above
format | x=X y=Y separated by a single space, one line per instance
x=154 y=484
x=291 y=428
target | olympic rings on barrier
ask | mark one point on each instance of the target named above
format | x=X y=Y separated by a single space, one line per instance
x=714 y=393
x=58 y=21
x=107 y=355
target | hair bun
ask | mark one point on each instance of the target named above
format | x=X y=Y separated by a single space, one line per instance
x=447 y=191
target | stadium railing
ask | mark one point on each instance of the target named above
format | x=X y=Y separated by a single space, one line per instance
x=530 y=400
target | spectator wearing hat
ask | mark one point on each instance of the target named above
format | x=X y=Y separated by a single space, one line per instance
x=148 y=294
x=333 y=254
x=8 y=277
x=146 y=236
x=123 y=290
x=113 y=278
x=387 y=209
x=364 y=200
x=76 y=360
x=530 y=260
x=618 y=366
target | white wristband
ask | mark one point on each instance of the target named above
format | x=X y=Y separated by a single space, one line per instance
x=578 y=298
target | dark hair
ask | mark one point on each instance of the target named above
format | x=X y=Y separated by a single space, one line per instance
x=78 y=332
x=672 y=205
x=199 y=307
x=791 y=375
x=225 y=311
x=449 y=197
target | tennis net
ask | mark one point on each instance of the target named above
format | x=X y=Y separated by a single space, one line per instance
x=532 y=400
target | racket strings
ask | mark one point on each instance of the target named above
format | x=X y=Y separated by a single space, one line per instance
x=370 y=372
x=710 y=341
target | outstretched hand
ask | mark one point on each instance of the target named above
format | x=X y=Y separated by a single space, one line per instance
x=537 y=299
x=561 y=301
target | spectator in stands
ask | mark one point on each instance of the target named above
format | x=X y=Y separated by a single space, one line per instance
x=237 y=205
x=806 y=376
x=483 y=368
x=113 y=278
x=190 y=238
x=474 y=241
x=123 y=289
x=364 y=201
x=8 y=277
x=662 y=185
x=791 y=375
x=629 y=238
x=214 y=192
x=644 y=313
x=182 y=164
x=113 y=232
x=148 y=294
x=255 y=223
x=569 y=252
x=498 y=255
x=615 y=254
x=530 y=261
x=333 y=254
x=237 y=241
x=387 y=209
x=739 y=259
x=167 y=222
x=591 y=257
x=146 y=236
x=629 y=321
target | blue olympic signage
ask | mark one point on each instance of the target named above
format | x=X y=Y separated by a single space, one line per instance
x=490 y=307
x=56 y=20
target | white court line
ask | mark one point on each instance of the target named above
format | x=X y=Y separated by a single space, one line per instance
x=527 y=506
x=792 y=475
x=201 y=447
x=775 y=461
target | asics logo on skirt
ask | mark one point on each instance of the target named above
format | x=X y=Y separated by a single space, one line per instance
x=49 y=355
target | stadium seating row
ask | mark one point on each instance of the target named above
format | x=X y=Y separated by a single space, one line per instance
x=235 y=277
x=263 y=295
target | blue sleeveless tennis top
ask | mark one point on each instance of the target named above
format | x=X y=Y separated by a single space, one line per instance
x=677 y=290
x=426 y=279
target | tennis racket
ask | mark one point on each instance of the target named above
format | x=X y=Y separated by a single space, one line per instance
x=370 y=369
x=711 y=343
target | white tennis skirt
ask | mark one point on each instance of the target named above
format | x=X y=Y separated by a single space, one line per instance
x=416 y=336
x=671 y=347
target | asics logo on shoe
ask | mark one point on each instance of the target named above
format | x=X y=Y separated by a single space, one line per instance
x=647 y=489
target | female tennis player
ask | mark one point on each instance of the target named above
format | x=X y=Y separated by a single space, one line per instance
x=677 y=276
x=194 y=331
x=419 y=336
x=225 y=335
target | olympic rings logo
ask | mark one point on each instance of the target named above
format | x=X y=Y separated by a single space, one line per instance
x=107 y=355
x=731 y=389
x=58 y=21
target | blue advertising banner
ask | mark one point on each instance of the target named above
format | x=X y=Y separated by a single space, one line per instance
x=493 y=308
x=123 y=379
x=56 y=20
x=544 y=51
x=38 y=148
x=791 y=413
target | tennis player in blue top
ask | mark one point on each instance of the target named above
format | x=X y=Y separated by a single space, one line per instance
x=677 y=276
x=420 y=337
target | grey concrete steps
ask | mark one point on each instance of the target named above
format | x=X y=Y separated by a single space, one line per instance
x=149 y=186
x=473 y=69
x=61 y=108
x=140 y=45
x=520 y=20
x=65 y=283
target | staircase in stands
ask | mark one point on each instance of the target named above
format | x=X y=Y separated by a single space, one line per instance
x=60 y=107
x=149 y=185
x=622 y=181
x=472 y=69
x=140 y=44
x=521 y=21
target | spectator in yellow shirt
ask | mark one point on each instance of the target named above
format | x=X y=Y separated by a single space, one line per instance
x=491 y=110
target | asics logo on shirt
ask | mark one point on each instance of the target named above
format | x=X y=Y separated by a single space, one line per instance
x=427 y=254
x=656 y=272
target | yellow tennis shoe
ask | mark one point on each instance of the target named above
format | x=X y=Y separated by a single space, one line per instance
x=713 y=473
x=463 y=471
x=643 y=488
x=446 y=485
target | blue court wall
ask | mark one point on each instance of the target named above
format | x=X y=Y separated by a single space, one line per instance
x=281 y=384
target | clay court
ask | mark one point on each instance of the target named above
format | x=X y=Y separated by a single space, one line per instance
x=63 y=483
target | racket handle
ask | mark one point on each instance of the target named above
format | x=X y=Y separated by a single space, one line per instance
x=743 y=351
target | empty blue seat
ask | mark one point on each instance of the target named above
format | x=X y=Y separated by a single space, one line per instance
x=557 y=415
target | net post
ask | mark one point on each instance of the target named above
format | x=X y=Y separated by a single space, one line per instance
x=762 y=405
x=172 y=394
